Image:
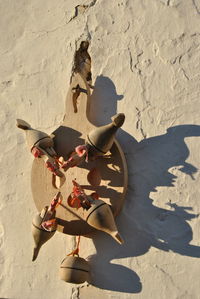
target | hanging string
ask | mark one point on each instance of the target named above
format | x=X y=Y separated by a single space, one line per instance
x=76 y=251
x=58 y=161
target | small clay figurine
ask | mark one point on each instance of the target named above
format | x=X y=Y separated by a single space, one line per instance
x=78 y=198
x=44 y=225
x=41 y=146
x=94 y=177
x=79 y=155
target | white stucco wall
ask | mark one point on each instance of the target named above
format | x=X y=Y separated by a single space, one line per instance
x=145 y=63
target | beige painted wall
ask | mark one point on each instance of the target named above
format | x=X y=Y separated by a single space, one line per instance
x=145 y=63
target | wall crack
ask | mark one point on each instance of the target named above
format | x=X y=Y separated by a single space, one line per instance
x=80 y=9
x=196 y=7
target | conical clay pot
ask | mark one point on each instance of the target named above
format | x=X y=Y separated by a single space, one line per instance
x=100 y=216
x=102 y=138
x=35 y=137
x=74 y=269
x=40 y=235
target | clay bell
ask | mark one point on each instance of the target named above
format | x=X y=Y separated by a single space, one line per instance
x=100 y=216
x=36 y=138
x=74 y=269
x=40 y=235
x=102 y=138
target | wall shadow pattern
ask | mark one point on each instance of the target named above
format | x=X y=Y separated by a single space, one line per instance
x=142 y=224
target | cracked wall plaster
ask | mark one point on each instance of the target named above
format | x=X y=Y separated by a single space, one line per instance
x=145 y=63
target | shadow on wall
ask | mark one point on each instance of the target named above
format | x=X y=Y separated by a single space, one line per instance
x=103 y=101
x=141 y=223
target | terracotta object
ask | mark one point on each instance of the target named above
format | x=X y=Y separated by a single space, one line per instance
x=74 y=269
x=36 y=138
x=102 y=138
x=100 y=216
x=85 y=155
x=40 y=235
x=41 y=146
x=95 y=212
x=72 y=133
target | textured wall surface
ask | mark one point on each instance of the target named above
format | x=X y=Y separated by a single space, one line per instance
x=145 y=63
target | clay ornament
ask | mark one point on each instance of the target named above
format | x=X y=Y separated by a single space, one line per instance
x=102 y=138
x=99 y=142
x=41 y=146
x=74 y=269
x=41 y=235
x=44 y=225
x=100 y=216
x=96 y=212
x=77 y=149
x=38 y=139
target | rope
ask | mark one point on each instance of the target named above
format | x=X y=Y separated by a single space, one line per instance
x=76 y=251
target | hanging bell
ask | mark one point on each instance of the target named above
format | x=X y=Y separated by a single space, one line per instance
x=102 y=138
x=100 y=216
x=74 y=269
x=40 y=235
